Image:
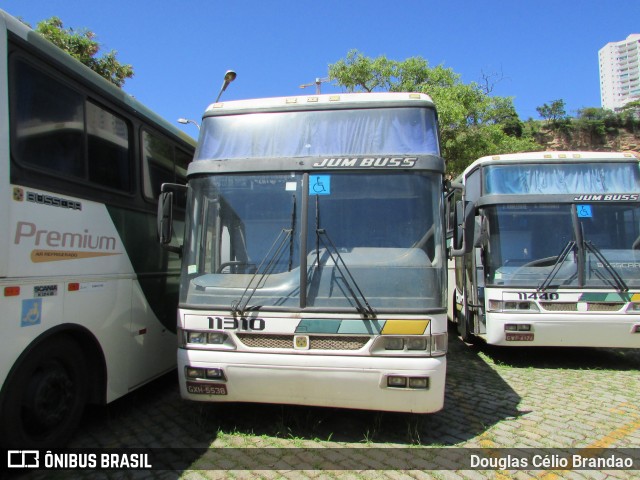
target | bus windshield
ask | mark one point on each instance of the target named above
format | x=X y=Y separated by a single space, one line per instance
x=561 y=178
x=586 y=245
x=381 y=131
x=370 y=238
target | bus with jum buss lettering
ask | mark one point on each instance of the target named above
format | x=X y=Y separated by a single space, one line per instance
x=314 y=265
x=87 y=296
x=547 y=250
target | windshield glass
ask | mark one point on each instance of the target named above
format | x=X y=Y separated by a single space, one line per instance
x=381 y=131
x=523 y=244
x=369 y=235
x=559 y=178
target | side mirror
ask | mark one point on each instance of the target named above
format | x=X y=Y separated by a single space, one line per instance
x=464 y=220
x=165 y=218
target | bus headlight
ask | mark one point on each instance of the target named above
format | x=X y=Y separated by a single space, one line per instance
x=634 y=307
x=394 y=343
x=512 y=306
x=429 y=345
x=200 y=339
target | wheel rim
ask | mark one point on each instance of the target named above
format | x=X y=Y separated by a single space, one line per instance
x=49 y=399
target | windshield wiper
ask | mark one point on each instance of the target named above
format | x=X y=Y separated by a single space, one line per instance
x=568 y=248
x=365 y=310
x=271 y=258
x=362 y=305
x=619 y=282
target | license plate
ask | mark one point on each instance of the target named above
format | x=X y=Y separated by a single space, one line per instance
x=206 y=388
x=520 y=337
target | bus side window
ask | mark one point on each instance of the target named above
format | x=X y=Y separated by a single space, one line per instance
x=108 y=143
x=162 y=163
x=48 y=121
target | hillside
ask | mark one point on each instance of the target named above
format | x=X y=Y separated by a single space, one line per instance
x=559 y=140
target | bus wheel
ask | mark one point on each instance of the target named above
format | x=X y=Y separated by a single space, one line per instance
x=45 y=396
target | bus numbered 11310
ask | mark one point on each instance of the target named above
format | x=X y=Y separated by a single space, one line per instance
x=87 y=296
x=547 y=250
x=314 y=267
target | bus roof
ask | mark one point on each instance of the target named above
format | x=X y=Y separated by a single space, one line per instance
x=319 y=102
x=11 y=24
x=549 y=157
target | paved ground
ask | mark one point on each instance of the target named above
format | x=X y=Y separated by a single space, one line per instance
x=527 y=398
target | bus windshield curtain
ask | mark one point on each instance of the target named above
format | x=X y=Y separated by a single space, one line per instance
x=391 y=131
x=561 y=178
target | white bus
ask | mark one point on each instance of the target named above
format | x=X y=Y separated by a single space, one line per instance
x=87 y=295
x=549 y=246
x=314 y=267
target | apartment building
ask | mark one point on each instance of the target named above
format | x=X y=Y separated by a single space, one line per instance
x=620 y=72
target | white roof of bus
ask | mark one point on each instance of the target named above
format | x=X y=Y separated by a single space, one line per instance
x=548 y=157
x=311 y=102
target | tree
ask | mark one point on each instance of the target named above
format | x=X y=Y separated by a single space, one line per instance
x=472 y=123
x=83 y=46
x=554 y=113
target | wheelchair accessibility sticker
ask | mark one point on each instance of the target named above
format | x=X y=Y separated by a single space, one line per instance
x=319 y=184
x=584 y=211
x=31 y=312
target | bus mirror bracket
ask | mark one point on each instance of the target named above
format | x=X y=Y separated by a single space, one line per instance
x=165 y=216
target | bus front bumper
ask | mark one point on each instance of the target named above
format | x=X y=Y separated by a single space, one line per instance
x=315 y=380
x=608 y=331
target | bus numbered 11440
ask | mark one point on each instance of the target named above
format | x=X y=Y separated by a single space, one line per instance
x=314 y=267
x=547 y=250
x=87 y=295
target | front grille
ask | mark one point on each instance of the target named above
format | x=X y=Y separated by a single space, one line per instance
x=573 y=307
x=316 y=342
x=559 y=306
x=604 y=307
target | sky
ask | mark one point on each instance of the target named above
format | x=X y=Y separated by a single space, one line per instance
x=535 y=51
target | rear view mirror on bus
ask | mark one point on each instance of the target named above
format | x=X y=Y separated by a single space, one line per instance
x=165 y=217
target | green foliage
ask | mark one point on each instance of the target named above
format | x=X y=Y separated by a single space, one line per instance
x=83 y=46
x=555 y=113
x=472 y=123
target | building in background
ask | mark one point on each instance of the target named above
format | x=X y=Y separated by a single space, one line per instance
x=620 y=72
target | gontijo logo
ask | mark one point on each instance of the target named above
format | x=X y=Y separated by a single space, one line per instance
x=63 y=245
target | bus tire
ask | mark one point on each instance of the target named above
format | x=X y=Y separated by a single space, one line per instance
x=45 y=396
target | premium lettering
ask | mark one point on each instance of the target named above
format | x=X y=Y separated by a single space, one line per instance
x=54 y=238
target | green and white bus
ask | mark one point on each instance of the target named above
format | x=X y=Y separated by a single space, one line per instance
x=87 y=295
x=547 y=249
x=314 y=267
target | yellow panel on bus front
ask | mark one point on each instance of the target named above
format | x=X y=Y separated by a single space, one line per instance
x=405 y=327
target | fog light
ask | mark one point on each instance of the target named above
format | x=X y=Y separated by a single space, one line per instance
x=192 y=372
x=418 y=382
x=416 y=343
x=394 y=343
x=398 y=382
x=215 y=373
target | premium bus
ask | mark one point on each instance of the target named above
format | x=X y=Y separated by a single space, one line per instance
x=87 y=295
x=549 y=250
x=314 y=266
